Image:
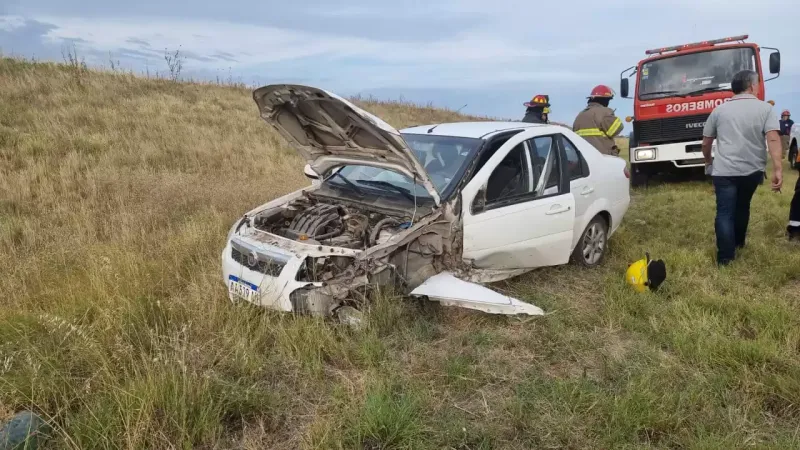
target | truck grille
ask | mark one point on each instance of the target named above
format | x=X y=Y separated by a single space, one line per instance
x=672 y=129
x=272 y=268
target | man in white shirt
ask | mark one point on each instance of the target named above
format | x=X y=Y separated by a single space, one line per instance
x=740 y=161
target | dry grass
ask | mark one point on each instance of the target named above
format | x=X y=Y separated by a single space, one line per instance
x=116 y=193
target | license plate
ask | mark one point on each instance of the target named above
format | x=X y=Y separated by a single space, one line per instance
x=241 y=289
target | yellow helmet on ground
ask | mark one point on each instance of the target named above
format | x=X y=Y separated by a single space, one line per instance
x=646 y=273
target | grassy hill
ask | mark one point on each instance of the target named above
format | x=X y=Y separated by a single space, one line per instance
x=116 y=193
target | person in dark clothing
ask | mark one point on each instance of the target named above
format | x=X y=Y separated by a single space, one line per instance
x=794 y=210
x=793 y=229
x=537 y=110
x=786 y=130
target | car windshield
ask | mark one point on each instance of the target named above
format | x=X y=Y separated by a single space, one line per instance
x=444 y=158
x=686 y=74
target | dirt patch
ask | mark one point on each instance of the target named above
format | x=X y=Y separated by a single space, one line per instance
x=5 y=414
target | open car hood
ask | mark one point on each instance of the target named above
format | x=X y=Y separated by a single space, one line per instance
x=329 y=131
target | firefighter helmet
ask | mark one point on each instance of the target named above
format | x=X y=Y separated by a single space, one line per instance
x=601 y=91
x=646 y=273
x=786 y=113
x=538 y=101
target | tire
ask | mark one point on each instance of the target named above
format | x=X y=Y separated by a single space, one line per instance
x=793 y=155
x=638 y=177
x=593 y=244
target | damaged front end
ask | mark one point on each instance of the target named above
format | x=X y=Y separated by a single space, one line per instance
x=311 y=255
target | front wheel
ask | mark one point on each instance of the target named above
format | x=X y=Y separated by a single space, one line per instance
x=591 y=247
x=638 y=177
x=793 y=155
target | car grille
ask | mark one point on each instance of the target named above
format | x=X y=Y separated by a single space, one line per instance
x=272 y=268
x=672 y=129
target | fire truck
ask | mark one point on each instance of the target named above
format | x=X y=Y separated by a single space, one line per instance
x=676 y=90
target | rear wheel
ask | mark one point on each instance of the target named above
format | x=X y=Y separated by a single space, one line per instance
x=591 y=247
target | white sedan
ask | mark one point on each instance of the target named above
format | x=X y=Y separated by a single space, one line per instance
x=436 y=210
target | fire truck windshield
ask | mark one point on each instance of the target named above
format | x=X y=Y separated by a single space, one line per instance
x=690 y=73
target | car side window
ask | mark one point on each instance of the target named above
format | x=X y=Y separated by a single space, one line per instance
x=491 y=147
x=511 y=177
x=576 y=164
x=545 y=164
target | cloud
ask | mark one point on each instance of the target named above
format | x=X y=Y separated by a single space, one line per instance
x=139 y=42
x=11 y=23
x=21 y=37
x=356 y=18
x=270 y=44
x=465 y=59
x=223 y=56
x=447 y=50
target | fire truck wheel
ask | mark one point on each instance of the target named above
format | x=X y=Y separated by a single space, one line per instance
x=638 y=176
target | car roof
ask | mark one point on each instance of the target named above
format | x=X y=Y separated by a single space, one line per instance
x=470 y=129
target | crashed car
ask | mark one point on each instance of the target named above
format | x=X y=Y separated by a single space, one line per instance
x=436 y=210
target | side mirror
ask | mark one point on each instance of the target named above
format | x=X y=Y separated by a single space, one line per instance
x=479 y=203
x=309 y=172
x=775 y=62
x=623 y=87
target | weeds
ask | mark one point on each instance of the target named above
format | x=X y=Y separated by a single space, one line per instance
x=174 y=63
x=75 y=65
x=115 y=197
x=113 y=64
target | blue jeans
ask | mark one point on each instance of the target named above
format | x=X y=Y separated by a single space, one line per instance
x=733 y=212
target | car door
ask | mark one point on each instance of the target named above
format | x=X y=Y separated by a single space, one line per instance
x=580 y=184
x=513 y=219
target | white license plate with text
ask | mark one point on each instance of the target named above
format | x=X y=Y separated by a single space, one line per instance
x=241 y=289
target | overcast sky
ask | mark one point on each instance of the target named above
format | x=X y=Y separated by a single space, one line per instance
x=488 y=55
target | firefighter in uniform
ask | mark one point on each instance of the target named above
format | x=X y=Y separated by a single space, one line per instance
x=597 y=123
x=538 y=108
x=786 y=129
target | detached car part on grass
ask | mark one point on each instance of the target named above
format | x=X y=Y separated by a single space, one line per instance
x=389 y=209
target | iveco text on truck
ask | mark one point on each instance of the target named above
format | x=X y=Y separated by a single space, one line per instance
x=676 y=90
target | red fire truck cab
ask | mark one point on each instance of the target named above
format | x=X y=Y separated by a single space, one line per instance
x=676 y=90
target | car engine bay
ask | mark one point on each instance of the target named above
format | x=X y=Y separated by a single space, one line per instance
x=312 y=221
x=326 y=222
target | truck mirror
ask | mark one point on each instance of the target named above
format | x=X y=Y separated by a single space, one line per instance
x=774 y=62
x=623 y=87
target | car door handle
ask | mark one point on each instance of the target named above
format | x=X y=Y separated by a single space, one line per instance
x=587 y=190
x=558 y=209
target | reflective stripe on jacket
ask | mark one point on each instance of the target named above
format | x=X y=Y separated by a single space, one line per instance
x=598 y=125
